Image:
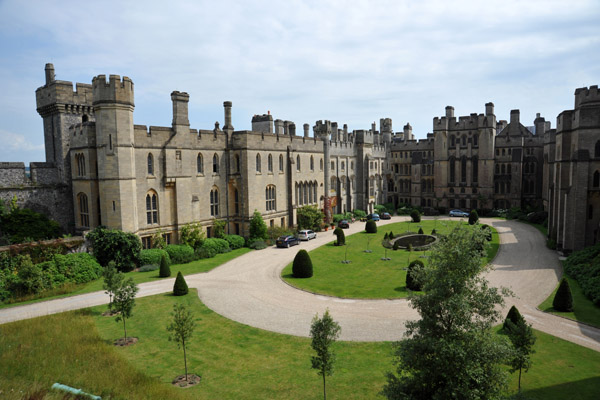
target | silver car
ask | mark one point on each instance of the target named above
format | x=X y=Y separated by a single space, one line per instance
x=306 y=234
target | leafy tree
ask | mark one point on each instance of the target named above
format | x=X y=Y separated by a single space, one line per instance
x=192 y=235
x=386 y=245
x=115 y=245
x=112 y=281
x=522 y=337
x=124 y=301
x=473 y=217
x=563 y=299
x=302 y=266
x=219 y=228
x=181 y=329
x=21 y=224
x=415 y=268
x=165 y=270
x=309 y=217
x=451 y=351
x=324 y=331
x=180 y=288
x=258 y=228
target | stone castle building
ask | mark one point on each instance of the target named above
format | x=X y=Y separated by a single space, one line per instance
x=102 y=169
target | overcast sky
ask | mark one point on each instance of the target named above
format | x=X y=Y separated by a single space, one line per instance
x=352 y=62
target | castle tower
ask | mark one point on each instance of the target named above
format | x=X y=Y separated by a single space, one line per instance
x=113 y=104
x=322 y=130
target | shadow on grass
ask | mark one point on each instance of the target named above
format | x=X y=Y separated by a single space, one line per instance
x=581 y=390
x=292 y=277
x=401 y=289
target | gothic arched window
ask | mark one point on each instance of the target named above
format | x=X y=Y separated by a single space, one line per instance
x=151 y=208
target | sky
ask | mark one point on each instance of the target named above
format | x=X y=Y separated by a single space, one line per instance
x=352 y=62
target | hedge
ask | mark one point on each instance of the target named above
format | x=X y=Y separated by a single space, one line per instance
x=153 y=256
x=180 y=253
x=235 y=241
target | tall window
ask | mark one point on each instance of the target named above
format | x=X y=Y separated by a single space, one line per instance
x=452 y=141
x=452 y=169
x=597 y=149
x=280 y=163
x=298 y=163
x=150 y=164
x=315 y=191
x=258 y=166
x=151 y=208
x=270 y=163
x=215 y=164
x=463 y=169
x=237 y=163
x=475 y=140
x=200 y=163
x=596 y=182
x=84 y=215
x=236 y=201
x=214 y=202
x=312 y=163
x=475 y=169
x=321 y=164
x=270 y=194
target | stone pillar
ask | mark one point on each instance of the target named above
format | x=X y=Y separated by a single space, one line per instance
x=228 y=125
x=306 y=129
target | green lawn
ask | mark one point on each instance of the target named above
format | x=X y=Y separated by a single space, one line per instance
x=584 y=310
x=236 y=361
x=367 y=276
x=193 y=267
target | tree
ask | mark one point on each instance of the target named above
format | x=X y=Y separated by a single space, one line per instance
x=192 y=235
x=302 y=266
x=310 y=217
x=563 y=299
x=412 y=275
x=513 y=316
x=180 y=288
x=23 y=224
x=324 y=332
x=451 y=351
x=165 y=270
x=522 y=337
x=258 y=228
x=112 y=280
x=473 y=217
x=181 y=329
x=219 y=228
x=415 y=215
x=124 y=301
x=386 y=245
x=115 y=245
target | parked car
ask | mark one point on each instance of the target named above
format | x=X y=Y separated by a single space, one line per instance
x=374 y=217
x=458 y=213
x=386 y=215
x=306 y=234
x=344 y=224
x=287 y=241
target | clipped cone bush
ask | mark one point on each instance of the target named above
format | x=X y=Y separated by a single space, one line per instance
x=180 y=288
x=513 y=316
x=413 y=269
x=473 y=217
x=420 y=231
x=165 y=270
x=391 y=235
x=371 y=226
x=563 y=300
x=302 y=266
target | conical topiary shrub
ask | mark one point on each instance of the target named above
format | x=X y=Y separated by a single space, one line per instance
x=563 y=300
x=165 y=270
x=420 y=231
x=180 y=288
x=513 y=316
x=391 y=235
x=302 y=266
x=371 y=226
x=413 y=269
x=473 y=217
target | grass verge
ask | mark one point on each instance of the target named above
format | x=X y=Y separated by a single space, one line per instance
x=368 y=276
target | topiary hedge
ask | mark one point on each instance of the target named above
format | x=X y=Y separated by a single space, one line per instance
x=180 y=253
x=563 y=299
x=302 y=266
x=371 y=226
x=180 y=288
x=414 y=268
x=235 y=241
x=473 y=217
x=153 y=256
x=513 y=316
x=415 y=215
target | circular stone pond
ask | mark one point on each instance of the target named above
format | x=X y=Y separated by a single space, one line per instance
x=421 y=241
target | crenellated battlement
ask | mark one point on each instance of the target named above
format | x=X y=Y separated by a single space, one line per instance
x=115 y=90
x=586 y=96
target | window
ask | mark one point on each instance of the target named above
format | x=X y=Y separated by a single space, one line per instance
x=321 y=164
x=312 y=163
x=343 y=165
x=476 y=140
x=214 y=202
x=215 y=164
x=280 y=163
x=497 y=169
x=147 y=242
x=352 y=165
x=167 y=237
x=590 y=211
x=178 y=155
x=150 y=164
x=236 y=201
x=258 y=166
x=452 y=169
x=80 y=159
x=333 y=165
x=270 y=193
x=464 y=140
x=315 y=191
x=474 y=169
x=596 y=182
x=84 y=215
x=200 y=164
x=503 y=169
x=597 y=149
x=452 y=141
x=237 y=163
x=151 y=208
x=298 y=163
x=333 y=181
x=270 y=163
x=508 y=168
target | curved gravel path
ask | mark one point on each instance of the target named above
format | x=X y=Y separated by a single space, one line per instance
x=249 y=290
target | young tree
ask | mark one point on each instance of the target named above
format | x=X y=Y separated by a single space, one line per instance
x=522 y=337
x=112 y=281
x=386 y=245
x=165 y=269
x=451 y=350
x=258 y=228
x=473 y=217
x=309 y=217
x=324 y=332
x=124 y=300
x=181 y=329
x=192 y=235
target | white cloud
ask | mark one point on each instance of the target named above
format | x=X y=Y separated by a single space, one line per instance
x=18 y=142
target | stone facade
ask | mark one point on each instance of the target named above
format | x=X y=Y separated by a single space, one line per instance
x=101 y=169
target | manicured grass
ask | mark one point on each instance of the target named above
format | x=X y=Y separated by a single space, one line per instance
x=193 y=267
x=367 y=276
x=584 y=310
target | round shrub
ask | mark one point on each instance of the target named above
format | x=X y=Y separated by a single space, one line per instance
x=414 y=268
x=153 y=256
x=513 y=316
x=206 y=252
x=415 y=215
x=180 y=253
x=563 y=299
x=371 y=226
x=235 y=241
x=221 y=245
x=302 y=266
x=180 y=288
x=473 y=217
x=165 y=270
x=341 y=237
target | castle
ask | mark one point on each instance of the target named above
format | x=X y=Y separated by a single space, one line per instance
x=101 y=169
